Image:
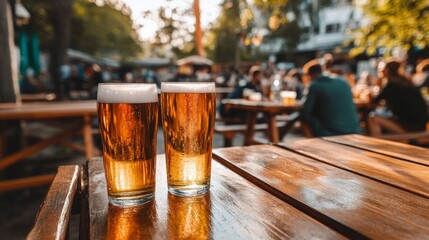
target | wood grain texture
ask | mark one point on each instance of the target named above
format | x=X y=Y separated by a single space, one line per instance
x=53 y=217
x=18 y=156
x=401 y=174
x=233 y=209
x=352 y=204
x=275 y=107
x=394 y=149
x=14 y=184
x=253 y=106
x=45 y=110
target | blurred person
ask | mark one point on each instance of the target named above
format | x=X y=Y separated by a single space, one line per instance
x=150 y=76
x=294 y=82
x=366 y=86
x=203 y=75
x=421 y=77
x=327 y=62
x=44 y=80
x=350 y=77
x=328 y=107
x=29 y=82
x=403 y=99
x=254 y=83
x=233 y=79
x=75 y=80
x=106 y=75
x=128 y=77
x=95 y=79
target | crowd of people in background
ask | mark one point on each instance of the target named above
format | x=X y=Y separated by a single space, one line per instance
x=327 y=95
x=325 y=90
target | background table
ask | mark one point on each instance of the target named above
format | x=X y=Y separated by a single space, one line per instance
x=81 y=111
x=271 y=110
x=331 y=188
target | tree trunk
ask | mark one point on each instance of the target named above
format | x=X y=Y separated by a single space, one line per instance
x=9 y=90
x=10 y=130
x=198 y=33
x=61 y=17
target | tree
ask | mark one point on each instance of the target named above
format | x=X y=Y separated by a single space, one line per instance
x=8 y=70
x=198 y=33
x=61 y=17
x=9 y=91
x=285 y=16
x=105 y=29
x=174 y=33
x=230 y=29
x=393 y=23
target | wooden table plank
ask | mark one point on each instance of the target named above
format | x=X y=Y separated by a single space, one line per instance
x=233 y=209
x=18 y=183
x=333 y=196
x=54 y=214
x=394 y=149
x=261 y=106
x=401 y=174
x=48 y=110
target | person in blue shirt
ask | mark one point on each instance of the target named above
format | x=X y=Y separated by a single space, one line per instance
x=328 y=107
x=255 y=77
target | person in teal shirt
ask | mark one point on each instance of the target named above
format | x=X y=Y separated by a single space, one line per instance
x=328 y=107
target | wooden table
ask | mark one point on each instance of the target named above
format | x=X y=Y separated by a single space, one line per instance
x=80 y=110
x=234 y=208
x=326 y=188
x=341 y=187
x=271 y=110
x=361 y=187
x=38 y=97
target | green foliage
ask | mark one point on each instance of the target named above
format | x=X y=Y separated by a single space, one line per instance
x=393 y=23
x=98 y=30
x=40 y=20
x=234 y=22
x=103 y=30
x=284 y=17
x=174 y=33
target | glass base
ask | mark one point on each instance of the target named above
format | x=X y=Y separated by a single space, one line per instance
x=126 y=202
x=189 y=191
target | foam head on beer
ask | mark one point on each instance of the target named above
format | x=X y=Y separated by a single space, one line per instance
x=188 y=87
x=127 y=93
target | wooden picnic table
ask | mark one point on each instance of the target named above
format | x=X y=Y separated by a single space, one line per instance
x=81 y=111
x=270 y=110
x=341 y=187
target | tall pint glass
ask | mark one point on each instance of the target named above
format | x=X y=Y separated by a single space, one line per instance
x=188 y=113
x=128 y=121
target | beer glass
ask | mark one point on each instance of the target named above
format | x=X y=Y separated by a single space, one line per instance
x=128 y=121
x=188 y=113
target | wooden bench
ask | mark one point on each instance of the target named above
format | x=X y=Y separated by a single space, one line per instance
x=229 y=131
x=52 y=220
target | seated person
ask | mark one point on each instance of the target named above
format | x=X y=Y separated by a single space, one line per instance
x=255 y=77
x=294 y=82
x=403 y=99
x=328 y=107
x=421 y=78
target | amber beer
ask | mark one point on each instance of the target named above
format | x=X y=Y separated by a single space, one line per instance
x=128 y=120
x=188 y=113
